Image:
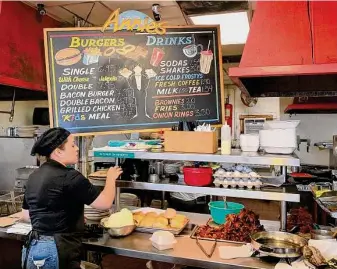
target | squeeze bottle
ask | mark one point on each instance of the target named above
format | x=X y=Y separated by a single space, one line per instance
x=226 y=140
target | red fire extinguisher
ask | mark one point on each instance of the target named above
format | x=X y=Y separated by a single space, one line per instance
x=229 y=112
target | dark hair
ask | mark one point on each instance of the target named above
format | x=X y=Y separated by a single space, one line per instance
x=62 y=146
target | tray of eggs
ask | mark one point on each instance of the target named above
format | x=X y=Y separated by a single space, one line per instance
x=237 y=179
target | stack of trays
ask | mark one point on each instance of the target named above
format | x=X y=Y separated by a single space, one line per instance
x=95 y=214
x=40 y=130
x=26 y=131
x=98 y=175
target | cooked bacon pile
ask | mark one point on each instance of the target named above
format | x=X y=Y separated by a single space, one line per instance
x=236 y=228
x=300 y=217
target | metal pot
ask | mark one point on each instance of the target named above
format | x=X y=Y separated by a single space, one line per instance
x=322 y=234
x=278 y=244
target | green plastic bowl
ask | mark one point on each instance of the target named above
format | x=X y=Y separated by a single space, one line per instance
x=219 y=213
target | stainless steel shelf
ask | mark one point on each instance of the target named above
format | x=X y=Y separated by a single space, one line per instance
x=271 y=194
x=237 y=156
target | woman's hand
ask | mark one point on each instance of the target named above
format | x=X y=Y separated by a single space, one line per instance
x=105 y=199
x=114 y=173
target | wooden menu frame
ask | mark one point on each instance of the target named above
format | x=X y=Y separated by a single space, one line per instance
x=49 y=88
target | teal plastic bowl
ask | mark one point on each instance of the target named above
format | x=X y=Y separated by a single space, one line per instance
x=219 y=213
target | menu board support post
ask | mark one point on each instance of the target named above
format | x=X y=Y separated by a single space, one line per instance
x=124 y=82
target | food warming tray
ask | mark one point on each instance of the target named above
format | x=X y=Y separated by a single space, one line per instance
x=194 y=236
x=152 y=230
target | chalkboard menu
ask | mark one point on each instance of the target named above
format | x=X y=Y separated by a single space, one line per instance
x=127 y=81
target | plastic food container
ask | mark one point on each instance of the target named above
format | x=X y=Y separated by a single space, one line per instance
x=249 y=142
x=277 y=124
x=200 y=177
x=219 y=212
x=163 y=240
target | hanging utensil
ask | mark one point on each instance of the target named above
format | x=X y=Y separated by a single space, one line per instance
x=225 y=202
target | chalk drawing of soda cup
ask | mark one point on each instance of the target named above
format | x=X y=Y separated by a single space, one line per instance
x=157 y=56
x=206 y=58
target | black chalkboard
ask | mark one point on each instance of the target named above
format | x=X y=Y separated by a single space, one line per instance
x=106 y=82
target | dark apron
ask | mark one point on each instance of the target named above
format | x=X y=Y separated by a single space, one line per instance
x=68 y=246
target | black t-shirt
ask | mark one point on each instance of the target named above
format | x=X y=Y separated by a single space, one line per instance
x=55 y=196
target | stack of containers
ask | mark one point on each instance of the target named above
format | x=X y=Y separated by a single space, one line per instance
x=279 y=137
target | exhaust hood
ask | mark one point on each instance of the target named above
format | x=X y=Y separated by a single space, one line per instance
x=291 y=50
x=312 y=105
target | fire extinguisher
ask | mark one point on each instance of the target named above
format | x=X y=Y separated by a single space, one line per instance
x=229 y=112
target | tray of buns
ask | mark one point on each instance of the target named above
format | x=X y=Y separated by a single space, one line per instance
x=150 y=220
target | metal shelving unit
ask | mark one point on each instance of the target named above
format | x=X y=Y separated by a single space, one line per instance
x=270 y=194
x=237 y=157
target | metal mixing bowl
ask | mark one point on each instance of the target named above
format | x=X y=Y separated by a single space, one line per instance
x=118 y=232
x=122 y=231
x=321 y=234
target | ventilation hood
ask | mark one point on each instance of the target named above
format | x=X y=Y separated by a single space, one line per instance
x=291 y=50
x=312 y=105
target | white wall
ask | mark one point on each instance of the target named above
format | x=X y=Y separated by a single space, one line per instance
x=264 y=106
x=317 y=128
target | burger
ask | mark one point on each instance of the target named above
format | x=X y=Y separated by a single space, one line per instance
x=68 y=56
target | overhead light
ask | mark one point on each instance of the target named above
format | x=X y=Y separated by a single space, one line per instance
x=234 y=26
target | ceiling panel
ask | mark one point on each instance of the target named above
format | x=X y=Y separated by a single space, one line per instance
x=58 y=3
x=202 y=7
x=99 y=14
x=65 y=10
x=170 y=13
x=59 y=12
x=137 y=4
x=82 y=10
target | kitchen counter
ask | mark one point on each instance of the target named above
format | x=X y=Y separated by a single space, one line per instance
x=185 y=252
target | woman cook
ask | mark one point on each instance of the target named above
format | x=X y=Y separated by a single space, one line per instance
x=54 y=203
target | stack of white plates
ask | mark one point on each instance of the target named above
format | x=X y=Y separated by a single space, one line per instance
x=26 y=131
x=95 y=214
x=129 y=200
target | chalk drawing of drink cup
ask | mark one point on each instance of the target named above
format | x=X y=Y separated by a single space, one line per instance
x=206 y=58
x=157 y=56
x=192 y=50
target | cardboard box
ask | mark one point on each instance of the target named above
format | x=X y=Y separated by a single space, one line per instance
x=191 y=142
x=267 y=210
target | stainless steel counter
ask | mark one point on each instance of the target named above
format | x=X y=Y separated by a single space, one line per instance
x=237 y=156
x=185 y=252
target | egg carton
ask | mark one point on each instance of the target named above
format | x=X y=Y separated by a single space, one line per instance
x=222 y=174
x=238 y=183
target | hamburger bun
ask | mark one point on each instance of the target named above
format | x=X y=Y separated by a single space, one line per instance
x=170 y=213
x=68 y=56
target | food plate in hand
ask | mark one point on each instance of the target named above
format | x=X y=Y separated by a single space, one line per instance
x=136 y=147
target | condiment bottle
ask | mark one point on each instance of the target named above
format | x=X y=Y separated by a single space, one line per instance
x=226 y=140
